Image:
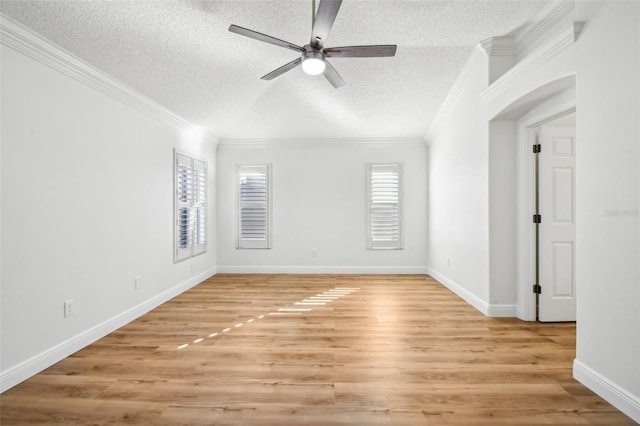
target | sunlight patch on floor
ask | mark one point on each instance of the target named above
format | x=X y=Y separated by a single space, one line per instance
x=319 y=300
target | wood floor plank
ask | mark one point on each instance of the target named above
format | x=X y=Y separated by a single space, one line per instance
x=264 y=350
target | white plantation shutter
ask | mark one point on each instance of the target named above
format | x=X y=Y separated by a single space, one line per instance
x=254 y=187
x=384 y=186
x=190 y=206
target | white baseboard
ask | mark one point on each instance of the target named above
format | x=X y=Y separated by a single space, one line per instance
x=465 y=294
x=502 y=311
x=36 y=364
x=369 y=270
x=620 y=398
x=493 y=311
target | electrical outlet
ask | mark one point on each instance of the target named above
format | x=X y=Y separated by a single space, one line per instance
x=192 y=267
x=138 y=282
x=69 y=308
x=314 y=253
x=449 y=262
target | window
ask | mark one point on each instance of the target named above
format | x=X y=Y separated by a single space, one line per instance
x=384 y=198
x=190 y=206
x=254 y=210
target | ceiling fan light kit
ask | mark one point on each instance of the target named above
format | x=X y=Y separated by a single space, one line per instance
x=313 y=55
x=313 y=63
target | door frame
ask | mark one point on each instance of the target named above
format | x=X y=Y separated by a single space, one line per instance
x=548 y=110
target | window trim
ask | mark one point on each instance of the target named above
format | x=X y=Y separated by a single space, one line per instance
x=193 y=249
x=371 y=244
x=268 y=242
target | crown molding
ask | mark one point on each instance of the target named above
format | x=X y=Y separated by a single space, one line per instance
x=498 y=46
x=320 y=143
x=26 y=41
x=456 y=91
x=540 y=24
x=563 y=40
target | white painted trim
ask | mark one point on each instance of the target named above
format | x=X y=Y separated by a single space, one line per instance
x=549 y=109
x=498 y=46
x=456 y=90
x=544 y=20
x=541 y=23
x=321 y=143
x=367 y=270
x=26 y=41
x=509 y=79
x=617 y=396
x=505 y=82
x=525 y=257
x=502 y=311
x=36 y=364
x=465 y=294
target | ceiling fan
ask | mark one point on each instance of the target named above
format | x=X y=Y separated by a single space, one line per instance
x=313 y=55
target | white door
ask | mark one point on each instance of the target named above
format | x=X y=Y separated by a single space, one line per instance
x=557 y=250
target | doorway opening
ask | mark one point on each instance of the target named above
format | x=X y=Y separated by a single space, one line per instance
x=554 y=216
x=546 y=111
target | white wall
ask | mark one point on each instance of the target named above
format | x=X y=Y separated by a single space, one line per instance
x=608 y=194
x=502 y=216
x=319 y=203
x=458 y=245
x=87 y=205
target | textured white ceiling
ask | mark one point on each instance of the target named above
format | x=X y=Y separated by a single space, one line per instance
x=180 y=54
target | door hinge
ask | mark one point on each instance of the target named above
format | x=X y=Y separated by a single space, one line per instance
x=537 y=218
x=537 y=148
x=537 y=289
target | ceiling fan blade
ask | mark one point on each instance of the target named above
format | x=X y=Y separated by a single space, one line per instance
x=327 y=11
x=279 y=71
x=332 y=75
x=263 y=37
x=373 y=51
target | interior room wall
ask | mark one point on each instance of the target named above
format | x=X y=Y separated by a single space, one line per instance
x=608 y=195
x=502 y=217
x=319 y=203
x=458 y=245
x=87 y=206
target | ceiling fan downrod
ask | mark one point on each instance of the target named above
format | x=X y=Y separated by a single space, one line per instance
x=313 y=12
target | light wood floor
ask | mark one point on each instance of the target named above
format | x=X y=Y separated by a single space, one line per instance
x=399 y=350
